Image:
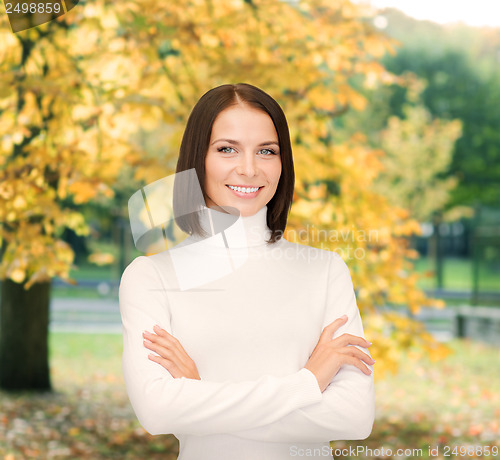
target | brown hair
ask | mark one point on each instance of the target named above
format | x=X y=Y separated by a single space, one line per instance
x=195 y=143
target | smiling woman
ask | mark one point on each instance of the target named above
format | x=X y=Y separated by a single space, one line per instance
x=266 y=359
x=241 y=172
x=237 y=136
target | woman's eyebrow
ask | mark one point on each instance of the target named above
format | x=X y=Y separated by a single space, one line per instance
x=231 y=141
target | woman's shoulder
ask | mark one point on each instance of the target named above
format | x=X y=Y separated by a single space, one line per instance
x=148 y=265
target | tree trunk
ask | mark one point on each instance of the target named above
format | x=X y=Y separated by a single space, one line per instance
x=24 y=330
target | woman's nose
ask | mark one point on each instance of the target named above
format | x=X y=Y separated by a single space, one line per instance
x=246 y=165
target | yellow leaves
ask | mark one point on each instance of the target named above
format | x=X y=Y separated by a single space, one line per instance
x=385 y=255
x=209 y=40
x=317 y=58
x=74 y=431
x=408 y=227
x=321 y=98
x=83 y=112
x=18 y=135
x=86 y=38
x=19 y=202
x=304 y=209
x=41 y=276
x=92 y=10
x=17 y=275
x=348 y=95
x=316 y=192
x=395 y=336
x=113 y=69
x=62 y=188
x=10 y=216
x=101 y=258
x=8 y=42
x=439 y=303
x=82 y=190
x=439 y=351
x=325 y=215
x=76 y=222
x=374 y=46
x=30 y=114
x=31 y=256
x=109 y=20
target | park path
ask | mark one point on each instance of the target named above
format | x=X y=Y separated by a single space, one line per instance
x=103 y=316
x=85 y=315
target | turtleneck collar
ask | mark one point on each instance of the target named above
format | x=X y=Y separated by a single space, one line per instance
x=229 y=231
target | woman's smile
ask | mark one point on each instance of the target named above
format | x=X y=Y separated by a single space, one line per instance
x=244 y=192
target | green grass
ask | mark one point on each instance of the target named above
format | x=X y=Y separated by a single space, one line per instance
x=93 y=272
x=100 y=353
x=454 y=402
x=457 y=274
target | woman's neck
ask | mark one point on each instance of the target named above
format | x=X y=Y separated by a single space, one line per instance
x=230 y=231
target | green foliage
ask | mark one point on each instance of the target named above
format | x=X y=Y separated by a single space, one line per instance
x=417 y=150
x=459 y=65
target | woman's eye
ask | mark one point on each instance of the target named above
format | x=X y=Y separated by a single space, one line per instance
x=222 y=149
x=271 y=151
x=267 y=152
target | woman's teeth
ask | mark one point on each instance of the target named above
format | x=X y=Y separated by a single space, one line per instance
x=244 y=189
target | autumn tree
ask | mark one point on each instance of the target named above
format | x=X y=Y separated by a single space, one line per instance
x=79 y=87
x=418 y=151
x=63 y=140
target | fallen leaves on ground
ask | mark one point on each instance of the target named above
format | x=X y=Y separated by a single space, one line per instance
x=88 y=416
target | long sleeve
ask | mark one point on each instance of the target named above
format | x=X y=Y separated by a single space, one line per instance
x=347 y=408
x=166 y=405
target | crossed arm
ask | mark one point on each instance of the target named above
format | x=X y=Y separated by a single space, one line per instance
x=273 y=409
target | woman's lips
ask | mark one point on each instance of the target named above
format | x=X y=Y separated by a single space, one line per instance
x=243 y=194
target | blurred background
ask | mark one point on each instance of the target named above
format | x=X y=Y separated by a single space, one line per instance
x=394 y=117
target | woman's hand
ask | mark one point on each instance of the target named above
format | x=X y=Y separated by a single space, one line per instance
x=329 y=355
x=172 y=356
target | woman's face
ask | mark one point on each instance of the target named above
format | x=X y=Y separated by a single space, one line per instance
x=243 y=152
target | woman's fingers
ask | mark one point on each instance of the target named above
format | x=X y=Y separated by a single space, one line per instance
x=161 y=344
x=349 y=339
x=158 y=348
x=356 y=362
x=167 y=364
x=169 y=341
x=357 y=353
x=344 y=339
x=163 y=333
x=158 y=359
x=166 y=351
x=330 y=355
x=328 y=331
x=172 y=355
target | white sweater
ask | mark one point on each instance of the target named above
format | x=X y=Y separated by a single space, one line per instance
x=250 y=332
